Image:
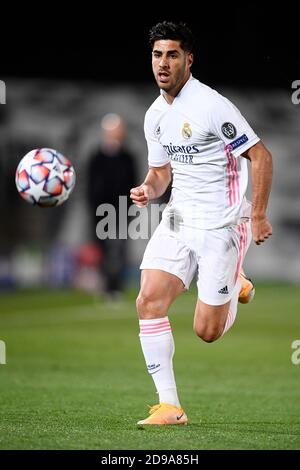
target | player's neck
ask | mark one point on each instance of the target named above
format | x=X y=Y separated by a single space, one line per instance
x=169 y=98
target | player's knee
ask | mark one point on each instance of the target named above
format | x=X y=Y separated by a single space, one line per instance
x=208 y=334
x=149 y=307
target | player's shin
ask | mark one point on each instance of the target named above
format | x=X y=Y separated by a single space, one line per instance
x=232 y=311
x=158 y=347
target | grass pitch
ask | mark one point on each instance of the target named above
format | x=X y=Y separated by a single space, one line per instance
x=75 y=376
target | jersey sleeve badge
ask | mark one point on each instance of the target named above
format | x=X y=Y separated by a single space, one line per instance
x=228 y=130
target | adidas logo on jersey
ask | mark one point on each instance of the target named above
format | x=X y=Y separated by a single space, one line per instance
x=224 y=290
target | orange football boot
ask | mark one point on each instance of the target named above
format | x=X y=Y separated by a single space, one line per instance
x=163 y=414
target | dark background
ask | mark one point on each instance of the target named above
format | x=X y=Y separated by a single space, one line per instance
x=237 y=44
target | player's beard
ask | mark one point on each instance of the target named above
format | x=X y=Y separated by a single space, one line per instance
x=177 y=80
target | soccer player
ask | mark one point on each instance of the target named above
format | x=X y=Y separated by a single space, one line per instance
x=201 y=138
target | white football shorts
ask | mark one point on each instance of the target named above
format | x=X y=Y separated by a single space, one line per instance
x=214 y=257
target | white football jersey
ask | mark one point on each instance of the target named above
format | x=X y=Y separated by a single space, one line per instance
x=202 y=134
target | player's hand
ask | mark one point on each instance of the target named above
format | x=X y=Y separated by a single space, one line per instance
x=140 y=195
x=261 y=229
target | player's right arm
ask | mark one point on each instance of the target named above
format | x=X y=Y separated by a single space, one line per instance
x=159 y=175
x=154 y=185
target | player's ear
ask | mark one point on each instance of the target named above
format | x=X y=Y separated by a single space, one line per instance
x=190 y=59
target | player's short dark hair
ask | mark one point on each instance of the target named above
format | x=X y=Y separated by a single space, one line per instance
x=174 y=31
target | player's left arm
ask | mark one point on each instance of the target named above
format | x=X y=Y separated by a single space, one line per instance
x=262 y=171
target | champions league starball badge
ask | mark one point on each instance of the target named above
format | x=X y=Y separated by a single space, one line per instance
x=228 y=129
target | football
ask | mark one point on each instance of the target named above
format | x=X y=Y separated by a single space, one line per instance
x=45 y=177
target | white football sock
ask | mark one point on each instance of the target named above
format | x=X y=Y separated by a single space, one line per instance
x=232 y=307
x=158 y=348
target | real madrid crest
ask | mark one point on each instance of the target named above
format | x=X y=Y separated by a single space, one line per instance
x=186 y=131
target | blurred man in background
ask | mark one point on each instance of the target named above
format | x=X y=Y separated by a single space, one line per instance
x=111 y=173
x=202 y=138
